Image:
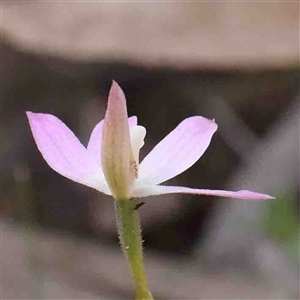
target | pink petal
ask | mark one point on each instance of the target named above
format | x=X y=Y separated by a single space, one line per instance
x=94 y=145
x=63 y=152
x=161 y=189
x=118 y=164
x=178 y=151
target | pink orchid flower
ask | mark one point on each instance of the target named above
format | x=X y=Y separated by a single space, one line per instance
x=110 y=162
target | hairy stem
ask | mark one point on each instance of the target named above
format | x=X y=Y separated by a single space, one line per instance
x=130 y=236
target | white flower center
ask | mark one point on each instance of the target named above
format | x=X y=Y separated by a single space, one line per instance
x=137 y=135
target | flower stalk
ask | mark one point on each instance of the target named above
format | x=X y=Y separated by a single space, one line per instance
x=129 y=230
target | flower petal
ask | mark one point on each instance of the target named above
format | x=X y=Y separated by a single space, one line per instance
x=161 y=189
x=64 y=153
x=178 y=151
x=94 y=144
x=118 y=164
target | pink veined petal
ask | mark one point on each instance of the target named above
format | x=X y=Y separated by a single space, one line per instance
x=161 y=189
x=63 y=151
x=118 y=164
x=94 y=144
x=178 y=151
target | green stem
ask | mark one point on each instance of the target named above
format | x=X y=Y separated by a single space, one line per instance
x=130 y=236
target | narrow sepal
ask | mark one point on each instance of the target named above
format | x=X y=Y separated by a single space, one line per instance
x=118 y=163
x=162 y=189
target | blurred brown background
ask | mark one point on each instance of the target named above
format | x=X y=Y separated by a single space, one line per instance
x=237 y=62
